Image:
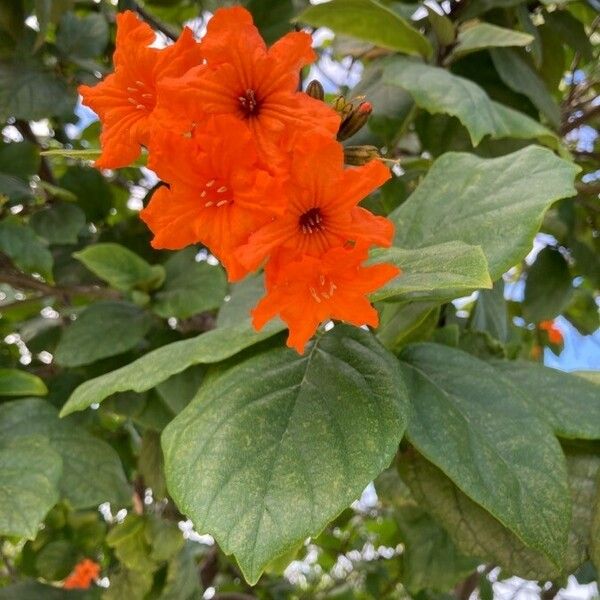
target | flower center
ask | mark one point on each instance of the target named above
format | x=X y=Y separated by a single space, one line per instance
x=311 y=221
x=141 y=96
x=215 y=194
x=249 y=103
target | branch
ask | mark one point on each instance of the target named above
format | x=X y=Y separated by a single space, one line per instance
x=588 y=114
x=153 y=21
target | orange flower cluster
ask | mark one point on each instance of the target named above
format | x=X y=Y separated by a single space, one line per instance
x=252 y=166
x=84 y=573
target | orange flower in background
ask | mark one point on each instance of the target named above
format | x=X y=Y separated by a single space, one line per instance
x=82 y=576
x=323 y=211
x=219 y=193
x=255 y=85
x=125 y=100
x=554 y=334
x=313 y=290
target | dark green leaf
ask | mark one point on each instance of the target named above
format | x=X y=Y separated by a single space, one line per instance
x=102 y=329
x=472 y=427
x=312 y=431
x=26 y=250
x=18 y=162
x=82 y=37
x=491 y=313
x=59 y=223
x=93 y=193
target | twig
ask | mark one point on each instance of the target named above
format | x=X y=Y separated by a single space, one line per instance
x=153 y=21
x=586 y=116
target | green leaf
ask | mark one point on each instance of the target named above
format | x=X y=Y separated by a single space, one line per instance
x=82 y=37
x=400 y=323
x=121 y=268
x=18 y=162
x=190 y=287
x=56 y=560
x=548 y=289
x=281 y=430
x=440 y=272
x=478 y=7
x=151 y=464
x=370 y=21
x=474 y=530
x=102 y=329
x=29 y=472
x=59 y=223
x=442 y=26
x=472 y=427
x=520 y=76
x=14 y=382
x=243 y=296
x=569 y=403
x=430 y=559
x=92 y=471
x=582 y=311
x=34 y=590
x=439 y=91
x=128 y=540
x=491 y=313
x=94 y=195
x=485 y=35
x=26 y=250
x=571 y=30
x=160 y=364
x=30 y=91
x=497 y=203
x=182 y=577
x=133 y=585
x=271 y=18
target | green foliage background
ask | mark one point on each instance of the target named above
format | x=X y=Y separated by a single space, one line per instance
x=131 y=378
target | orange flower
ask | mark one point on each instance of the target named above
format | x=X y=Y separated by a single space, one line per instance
x=313 y=290
x=554 y=333
x=256 y=85
x=218 y=191
x=82 y=575
x=322 y=211
x=125 y=100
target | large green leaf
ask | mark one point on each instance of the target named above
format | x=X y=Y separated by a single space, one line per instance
x=571 y=404
x=25 y=248
x=485 y=35
x=473 y=424
x=92 y=471
x=243 y=296
x=491 y=313
x=81 y=38
x=281 y=430
x=30 y=469
x=477 y=533
x=158 y=365
x=103 y=329
x=370 y=21
x=120 y=267
x=437 y=90
x=14 y=382
x=190 y=287
x=519 y=75
x=548 y=289
x=497 y=204
x=439 y=272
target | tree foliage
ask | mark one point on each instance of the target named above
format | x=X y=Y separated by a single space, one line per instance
x=132 y=380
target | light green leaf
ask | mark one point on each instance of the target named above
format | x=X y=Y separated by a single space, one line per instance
x=14 y=382
x=82 y=37
x=442 y=26
x=470 y=421
x=190 y=287
x=30 y=469
x=437 y=90
x=59 y=223
x=102 y=329
x=128 y=539
x=485 y=35
x=243 y=296
x=281 y=430
x=92 y=472
x=440 y=272
x=370 y=21
x=120 y=267
x=548 y=289
x=497 y=203
x=569 y=403
x=25 y=248
x=516 y=72
x=158 y=365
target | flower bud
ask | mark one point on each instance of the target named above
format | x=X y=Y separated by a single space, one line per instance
x=359 y=155
x=315 y=90
x=355 y=120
